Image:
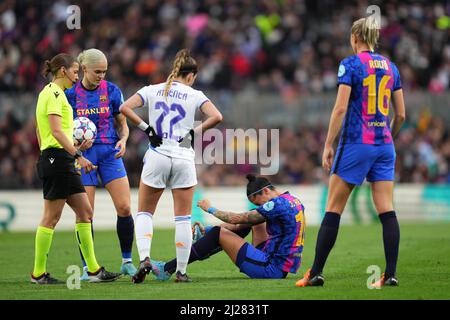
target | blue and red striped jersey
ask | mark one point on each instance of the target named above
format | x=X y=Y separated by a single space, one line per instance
x=285 y=224
x=99 y=105
x=373 y=78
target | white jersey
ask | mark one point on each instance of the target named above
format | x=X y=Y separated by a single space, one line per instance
x=172 y=117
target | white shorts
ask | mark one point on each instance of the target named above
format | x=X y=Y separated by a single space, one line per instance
x=160 y=171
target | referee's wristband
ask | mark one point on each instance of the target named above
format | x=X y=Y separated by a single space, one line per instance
x=78 y=154
x=212 y=210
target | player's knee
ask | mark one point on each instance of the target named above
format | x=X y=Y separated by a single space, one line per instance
x=124 y=210
x=336 y=204
x=85 y=215
x=54 y=222
x=89 y=212
x=335 y=208
x=383 y=205
x=222 y=233
x=50 y=221
x=384 y=208
x=84 y=219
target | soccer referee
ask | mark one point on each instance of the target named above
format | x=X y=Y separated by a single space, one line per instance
x=56 y=168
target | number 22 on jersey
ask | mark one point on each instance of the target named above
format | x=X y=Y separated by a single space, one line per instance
x=166 y=112
x=375 y=98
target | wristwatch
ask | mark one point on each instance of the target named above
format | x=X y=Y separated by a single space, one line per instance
x=77 y=154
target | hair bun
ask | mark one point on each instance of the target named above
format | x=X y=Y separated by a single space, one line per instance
x=250 y=177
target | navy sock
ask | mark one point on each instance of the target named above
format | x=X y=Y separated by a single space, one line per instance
x=243 y=232
x=391 y=240
x=200 y=250
x=81 y=254
x=125 y=232
x=325 y=241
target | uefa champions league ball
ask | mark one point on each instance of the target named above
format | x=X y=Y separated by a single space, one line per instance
x=84 y=129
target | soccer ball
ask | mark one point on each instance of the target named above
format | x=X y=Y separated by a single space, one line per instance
x=84 y=129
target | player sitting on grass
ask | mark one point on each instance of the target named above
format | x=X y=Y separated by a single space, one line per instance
x=274 y=257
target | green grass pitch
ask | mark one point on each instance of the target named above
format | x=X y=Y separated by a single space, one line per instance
x=423 y=269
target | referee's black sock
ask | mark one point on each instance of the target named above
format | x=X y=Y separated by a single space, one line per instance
x=391 y=240
x=325 y=241
x=200 y=250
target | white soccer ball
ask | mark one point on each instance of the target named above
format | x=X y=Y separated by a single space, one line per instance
x=84 y=129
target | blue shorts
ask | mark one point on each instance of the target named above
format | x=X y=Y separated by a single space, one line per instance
x=355 y=162
x=109 y=168
x=256 y=263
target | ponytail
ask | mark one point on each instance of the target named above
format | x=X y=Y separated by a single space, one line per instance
x=60 y=60
x=255 y=185
x=182 y=66
x=367 y=30
x=47 y=69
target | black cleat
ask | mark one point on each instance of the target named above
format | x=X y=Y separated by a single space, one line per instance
x=317 y=280
x=103 y=276
x=182 y=277
x=307 y=281
x=391 y=281
x=45 y=278
x=144 y=269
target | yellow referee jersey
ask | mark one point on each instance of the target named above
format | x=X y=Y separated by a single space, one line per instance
x=52 y=100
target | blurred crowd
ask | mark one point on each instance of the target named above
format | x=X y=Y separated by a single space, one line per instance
x=423 y=156
x=292 y=47
x=289 y=47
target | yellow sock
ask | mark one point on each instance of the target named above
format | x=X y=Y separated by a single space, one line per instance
x=43 y=241
x=84 y=236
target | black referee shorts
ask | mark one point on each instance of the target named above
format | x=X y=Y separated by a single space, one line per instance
x=56 y=169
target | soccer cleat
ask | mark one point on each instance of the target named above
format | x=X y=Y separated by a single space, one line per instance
x=84 y=276
x=391 y=281
x=307 y=281
x=128 y=269
x=45 y=278
x=144 y=269
x=182 y=277
x=158 y=271
x=103 y=276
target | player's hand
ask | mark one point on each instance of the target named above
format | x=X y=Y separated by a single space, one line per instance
x=327 y=157
x=204 y=204
x=198 y=230
x=86 y=164
x=155 y=140
x=121 y=146
x=86 y=144
x=188 y=140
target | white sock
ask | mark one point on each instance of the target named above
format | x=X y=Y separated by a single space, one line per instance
x=183 y=241
x=144 y=233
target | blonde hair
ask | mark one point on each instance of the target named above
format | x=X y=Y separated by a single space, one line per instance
x=367 y=30
x=182 y=66
x=91 y=56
